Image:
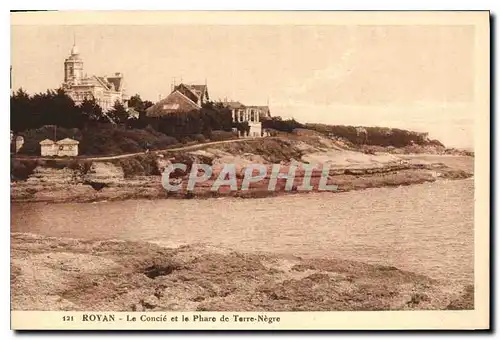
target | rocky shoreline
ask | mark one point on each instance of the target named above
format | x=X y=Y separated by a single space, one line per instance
x=349 y=170
x=151 y=188
x=53 y=273
x=74 y=274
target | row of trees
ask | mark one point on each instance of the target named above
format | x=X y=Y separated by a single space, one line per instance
x=380 y=136
x=55 y=107
x=277 y=123
x=209 y=118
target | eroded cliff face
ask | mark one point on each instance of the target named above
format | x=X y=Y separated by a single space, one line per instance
x=104 y=172
x=125 y=178
x=63 y=185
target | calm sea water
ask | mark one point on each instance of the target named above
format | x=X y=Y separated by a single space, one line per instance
x=425 y=228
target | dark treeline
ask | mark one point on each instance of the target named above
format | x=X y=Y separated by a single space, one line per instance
x=55 y=107
x=53 y=114
x=49 y=108
x=379 y=136
x=211 y=117
x=277 y=123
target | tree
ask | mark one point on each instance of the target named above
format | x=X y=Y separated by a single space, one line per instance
x=20 y=111
x=138 y=104
x=242 y=127
x=57 y=108
x=53 y=107
x=118 y=113
x=189 y=124
x=91 y=110
x=277 y=123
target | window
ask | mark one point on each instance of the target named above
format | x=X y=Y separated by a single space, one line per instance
x=171 y=106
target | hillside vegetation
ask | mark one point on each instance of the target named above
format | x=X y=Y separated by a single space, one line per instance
x=54 y=115
x=99 y=141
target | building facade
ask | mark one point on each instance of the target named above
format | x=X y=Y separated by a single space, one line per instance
x=64 y=147
x=48 y=147
x=106 y=89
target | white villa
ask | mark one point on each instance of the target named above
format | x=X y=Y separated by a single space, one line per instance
x=250 y=114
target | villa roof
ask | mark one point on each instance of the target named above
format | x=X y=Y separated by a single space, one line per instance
x=101 y=81
x=47 y=142
x=233 y=105
x=67 y=141
x=175 y=102
x=198 y=91
x=262 y=107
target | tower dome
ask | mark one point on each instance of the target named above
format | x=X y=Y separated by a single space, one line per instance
x=74 y=50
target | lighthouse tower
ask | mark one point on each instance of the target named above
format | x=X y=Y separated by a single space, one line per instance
x=73 y=67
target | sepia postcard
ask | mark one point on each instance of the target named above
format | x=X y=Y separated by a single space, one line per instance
x=250 y=170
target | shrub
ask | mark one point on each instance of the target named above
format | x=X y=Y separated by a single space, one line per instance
x=380 y=136
x=131 y=167
x=73 y=165
x=22 y=169
x=55 y=164
x=219 y=135
x=85 y=166
x=109 y=141
x=79 y=165
x=149 y=164
x=183 y=158
x=200 y=138
x=185 y=140
x=277 y=123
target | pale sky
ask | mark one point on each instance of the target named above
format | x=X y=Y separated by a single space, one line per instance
x=415 y=77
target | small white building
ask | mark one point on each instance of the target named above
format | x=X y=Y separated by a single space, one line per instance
x=67 y=147
x=64 y=147
x=48 y=147
x=250 y=114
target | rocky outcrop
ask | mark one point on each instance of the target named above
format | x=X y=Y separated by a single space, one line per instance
x=105 y=173
x=53 y=176
x=124 y=179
